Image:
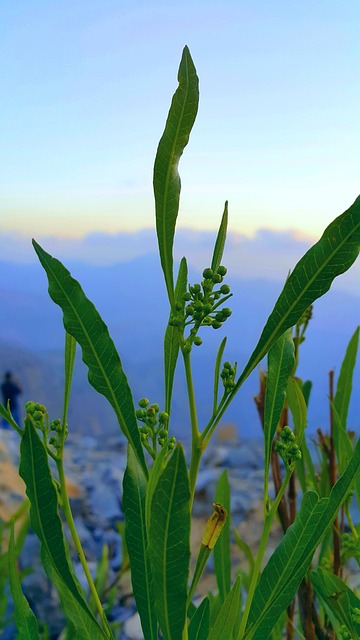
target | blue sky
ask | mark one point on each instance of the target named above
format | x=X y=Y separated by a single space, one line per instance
x=86 y=85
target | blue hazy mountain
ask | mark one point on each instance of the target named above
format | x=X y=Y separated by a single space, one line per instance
x=131 y=298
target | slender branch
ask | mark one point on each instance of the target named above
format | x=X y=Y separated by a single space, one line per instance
x=332 y=477
x=196 y=441
x=74 y=534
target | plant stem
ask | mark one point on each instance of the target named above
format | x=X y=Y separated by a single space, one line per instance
x=259 y=558
x=74 y=534
x=196 y=443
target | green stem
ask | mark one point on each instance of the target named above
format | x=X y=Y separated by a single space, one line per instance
x=196 y=442
x=260 y=555
x=350 y=521
x=74 y=534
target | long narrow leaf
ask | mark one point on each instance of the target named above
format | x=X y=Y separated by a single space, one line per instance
x=338 y=599
x=169 y=545
x=217 y=373
x=83 y=322
x=281 y=359
x=83 y=626
x=228 y=616
x=344 y=385
x=134 y=491
x=332 y=255
x=342 y=399
x=220 y=240
x=25 y=620
x=35 y=471
x=222 y=559
x=200 y=622
x=70 y=352
x=289 y=562
x=167 y=184
x=297 y=405
x=171 y=340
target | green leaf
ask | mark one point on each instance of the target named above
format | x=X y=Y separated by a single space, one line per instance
x=298 y=408
x=25 y=620
x=289 y=562
x=167 y=184
x=200 y=622
x=171 y=341
x=84 y=627
x=155 y=473
x=220 y=241
x=134 y=491
x=342 y=399
x=217 y=373
x=344 y=385
x=84 y=323
x=35 y=471
x=169 y=545
x=332 y=255
x=281 y=360
x=337 y=599
x=70 y=352
x=228 y=616
x=222 y=559
x=247 y=551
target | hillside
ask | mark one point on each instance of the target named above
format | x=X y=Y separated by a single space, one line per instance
x=131 y=298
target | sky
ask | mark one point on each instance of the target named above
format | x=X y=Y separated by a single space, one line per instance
x=86 y=86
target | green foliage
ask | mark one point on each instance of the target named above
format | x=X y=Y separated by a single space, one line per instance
x=159 y=484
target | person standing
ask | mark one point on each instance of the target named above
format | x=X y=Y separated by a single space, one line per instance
x=11 y=390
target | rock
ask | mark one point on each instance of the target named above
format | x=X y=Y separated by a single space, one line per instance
x=132 y=628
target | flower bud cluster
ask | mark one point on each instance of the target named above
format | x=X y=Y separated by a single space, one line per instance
x=155 y=429
x=350 y=548
x=287 y=448
x=227 y=375
x=355 y=614
x=39 y=415
x=200 y=305
x=60 y=435
x=344 y=632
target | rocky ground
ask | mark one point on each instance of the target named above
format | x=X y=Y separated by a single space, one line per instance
x=95 y=475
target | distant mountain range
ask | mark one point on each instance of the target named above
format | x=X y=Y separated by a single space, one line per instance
x=131 y=298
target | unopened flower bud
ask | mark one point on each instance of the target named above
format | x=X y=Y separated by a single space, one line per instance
x=222 y=270
x=224 y=289
x=208 y=273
